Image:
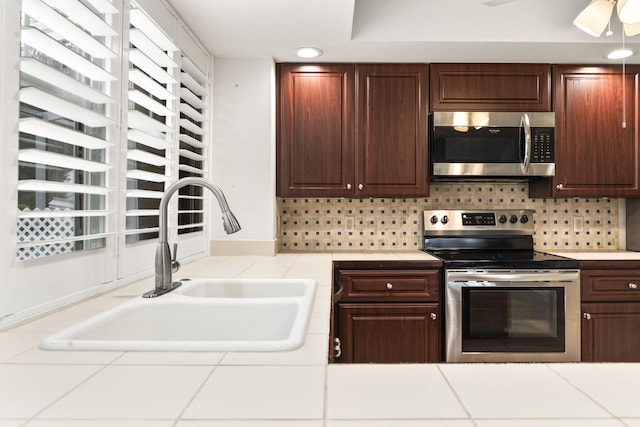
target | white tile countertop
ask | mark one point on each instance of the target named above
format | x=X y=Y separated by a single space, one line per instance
x=600 y=255
x=298 y=388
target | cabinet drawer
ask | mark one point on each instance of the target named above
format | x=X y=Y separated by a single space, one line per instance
x=610 y=285
x=400 y=285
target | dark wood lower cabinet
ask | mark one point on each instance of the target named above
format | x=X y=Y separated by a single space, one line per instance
x=611 y=332
x=610 y=311
x=389 y=332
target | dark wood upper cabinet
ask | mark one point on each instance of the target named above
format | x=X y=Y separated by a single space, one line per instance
x=315 y=130
x=391 y=131
x=349 y=130
x=361 y=130
x=490 y=87
x=597 y=153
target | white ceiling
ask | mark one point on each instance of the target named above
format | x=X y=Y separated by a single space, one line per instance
x=400 y=30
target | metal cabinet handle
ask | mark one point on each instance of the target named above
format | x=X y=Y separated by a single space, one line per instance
x=360 y=187
x=633 y=286
x=433 y=316
x=559 y=187
x=389 y=285
x=586 y=316
x=348 y=186
x=337 y=348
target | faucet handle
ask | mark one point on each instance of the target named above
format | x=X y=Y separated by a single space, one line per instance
x=175 y=265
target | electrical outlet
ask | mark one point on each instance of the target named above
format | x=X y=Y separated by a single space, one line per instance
x=349 y=223
x=578 y=223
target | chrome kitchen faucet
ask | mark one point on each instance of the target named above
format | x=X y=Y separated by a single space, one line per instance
x=165 y=264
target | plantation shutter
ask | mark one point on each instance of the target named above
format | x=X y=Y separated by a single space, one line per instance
x=193 y=129
x=67 y=126
x=151 y=123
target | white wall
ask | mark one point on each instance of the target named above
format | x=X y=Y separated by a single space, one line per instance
x=243 y=153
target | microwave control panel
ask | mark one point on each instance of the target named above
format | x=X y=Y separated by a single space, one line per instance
x=542 y=145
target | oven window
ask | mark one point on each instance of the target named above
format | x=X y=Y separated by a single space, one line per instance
x=513 y=320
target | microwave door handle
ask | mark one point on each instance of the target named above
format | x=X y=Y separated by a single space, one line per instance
x=526 y=124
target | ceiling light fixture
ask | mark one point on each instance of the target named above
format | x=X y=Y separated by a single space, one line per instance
x=609 y=32
x=629 y=11
x=596 y=16
x=621 y=53
x=308 y=52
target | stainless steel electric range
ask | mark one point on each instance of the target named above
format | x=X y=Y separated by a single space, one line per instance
x=504 y=301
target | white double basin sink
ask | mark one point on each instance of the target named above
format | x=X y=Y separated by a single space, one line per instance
x=201 y=315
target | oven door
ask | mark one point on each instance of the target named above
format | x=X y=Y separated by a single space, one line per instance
x=512 y=316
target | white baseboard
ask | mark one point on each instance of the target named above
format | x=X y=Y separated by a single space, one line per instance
x=244 y=247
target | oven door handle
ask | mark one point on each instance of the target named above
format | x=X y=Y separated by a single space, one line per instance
x=533 y=276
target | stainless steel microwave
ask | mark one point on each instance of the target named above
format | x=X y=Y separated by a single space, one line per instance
x=492 y=144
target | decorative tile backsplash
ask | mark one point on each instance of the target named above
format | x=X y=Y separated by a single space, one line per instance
x=334 y=224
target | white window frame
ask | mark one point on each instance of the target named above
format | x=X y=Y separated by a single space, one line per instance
x=73 y=276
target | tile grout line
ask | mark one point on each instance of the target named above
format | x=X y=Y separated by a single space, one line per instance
x=584 y=393
x=65 y=394
x=455 y=393
x=178 y=418
x=249 y=266
x=325 y=406
x=60 y=397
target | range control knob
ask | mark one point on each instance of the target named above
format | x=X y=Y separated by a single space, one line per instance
x=524 y=219
x=434 y=220
x=502 y=219
x=513 y=219
x=445 y=219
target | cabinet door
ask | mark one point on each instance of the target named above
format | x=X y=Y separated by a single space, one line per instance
x=610 y=332
x=490 y=87
x=596 y=132
x=389 y=333
x=391 y=132
x=315 y=130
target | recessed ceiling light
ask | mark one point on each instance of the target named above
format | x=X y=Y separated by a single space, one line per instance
x=308 y=52
x=621 y=53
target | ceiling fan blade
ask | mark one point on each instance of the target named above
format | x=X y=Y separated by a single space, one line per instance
x=492 y=3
